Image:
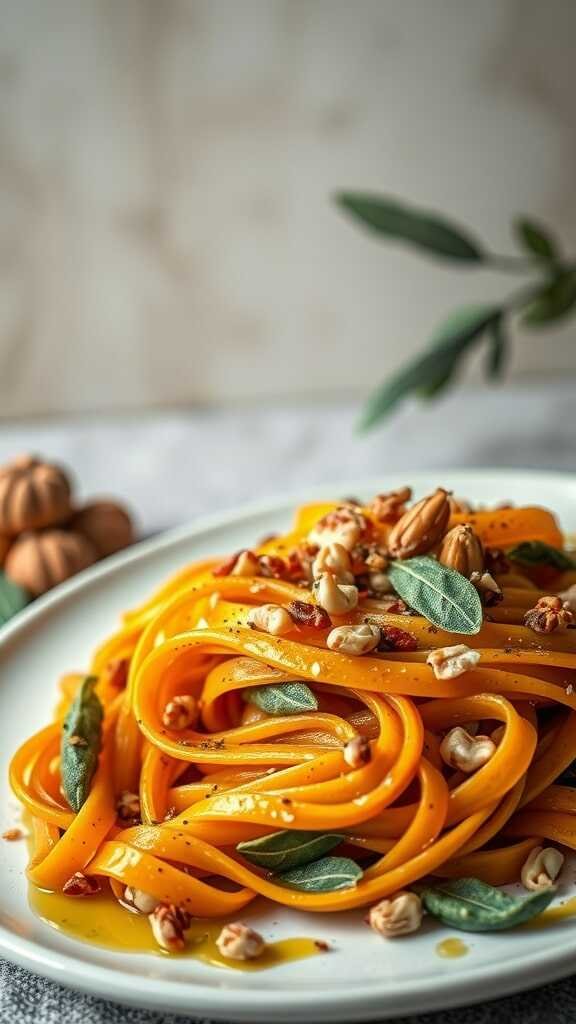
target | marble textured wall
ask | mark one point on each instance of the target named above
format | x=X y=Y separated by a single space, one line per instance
x=166 y=230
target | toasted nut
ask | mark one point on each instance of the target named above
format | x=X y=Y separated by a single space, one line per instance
x=344 y=525
x=467 y=753
x=548 y=614
x=239 y=942
x=305 y=614
x=272 y=566
x=12 y=835
x=388 y=508
x=490 y=593
x=399 y=914
x=181 y=712
x=357 y=752
x=271 y=618
x=450 y=662
x=541 y=868
x=421 y=527
x=80 y=885
x=335 y=598
x=128 y=807
x=568 y=597
x=142 y=901
x=333 y=558
x=243 y=563
x=392 y=638
x=379 y=584
x=168 y=924
x=462 y=550
x=357 y=639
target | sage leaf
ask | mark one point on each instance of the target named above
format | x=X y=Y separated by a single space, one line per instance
x=80 y=745
x=442 y=595
x=429 y=231
x=12 y=598
x=431 y=371
x=474 y=906
x=536 y=552
x=553 y=302
x=325 y=875
x=282 y=698
x=536 y=240
x=497 y=349
x=290 y=849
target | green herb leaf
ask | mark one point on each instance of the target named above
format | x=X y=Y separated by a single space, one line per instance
x=553 y=302
x=80 y=746
x=497 y=348
x=282 y=698
x=474 y=906
x=12 y=598
x=536 y=239
x=290 y=849
x=442 y=595
x=432 y=370
x=325 y=875
x=536 y=552
x=429 y=231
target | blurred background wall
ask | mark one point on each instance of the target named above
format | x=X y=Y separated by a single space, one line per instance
x=166 y=166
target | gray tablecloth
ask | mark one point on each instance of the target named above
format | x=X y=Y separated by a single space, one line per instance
x=173 y=466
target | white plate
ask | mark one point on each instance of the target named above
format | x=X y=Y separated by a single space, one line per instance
x=365 y=977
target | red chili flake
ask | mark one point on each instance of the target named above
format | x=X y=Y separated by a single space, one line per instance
x=309 y=615
x=395 y=639
x=80 y=885
x=118 y=672
x=273 y=565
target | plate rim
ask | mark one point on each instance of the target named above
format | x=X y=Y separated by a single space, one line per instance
x=193 y=998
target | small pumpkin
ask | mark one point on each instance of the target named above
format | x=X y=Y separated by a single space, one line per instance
x=39 y=561
x=106 y=525
x=33 y=495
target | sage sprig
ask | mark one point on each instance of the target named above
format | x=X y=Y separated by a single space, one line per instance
x=535 y=552
x=12 y=598
x=442 y=595
x=550 y=295
x=325 y=875
x=282 y=698
x=473 y=906
x=80 y=744
x=280 y=851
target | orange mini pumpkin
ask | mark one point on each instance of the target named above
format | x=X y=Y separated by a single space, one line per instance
x=33 y=494
x=38 y=561
x=107 y=526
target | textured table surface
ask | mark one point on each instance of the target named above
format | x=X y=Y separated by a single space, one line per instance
x=174 y=466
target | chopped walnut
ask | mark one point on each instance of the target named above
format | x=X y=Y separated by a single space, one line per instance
x=272 y=566
x=239 y=942
x=143 y=902
x=128 y=808
x=243 y=563
x=357 y=752
x=344 y=525
x=180 y=713
x=467 y=753
x=80 y=885
x=399 y=914
x=541 y=868
x=335 y=598
x=488 y=589
x=357 y=640
x=548 y=614
x=451 y=662
x=168 y=923
x=271 y=618
x=333 y=558
x=390 y=507
x=568 y=597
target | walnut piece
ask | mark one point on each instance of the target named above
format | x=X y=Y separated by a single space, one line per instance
x=451 y=662
x=168 y=923
x=239 y=942
x=396 y=915
x=467 y=753
x=548 y=615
